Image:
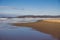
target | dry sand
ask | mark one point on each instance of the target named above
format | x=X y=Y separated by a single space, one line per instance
x=46 y=26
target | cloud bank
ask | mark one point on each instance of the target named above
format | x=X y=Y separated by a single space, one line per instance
x=22 y=11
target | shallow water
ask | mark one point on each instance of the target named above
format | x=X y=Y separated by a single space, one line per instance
x=10 y=32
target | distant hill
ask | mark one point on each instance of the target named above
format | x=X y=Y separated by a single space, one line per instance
x=27 y=16
x=39 y=16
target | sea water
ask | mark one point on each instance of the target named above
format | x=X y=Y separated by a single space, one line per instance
x=10 y=32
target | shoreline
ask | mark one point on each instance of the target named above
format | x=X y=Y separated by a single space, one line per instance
x=46 y=26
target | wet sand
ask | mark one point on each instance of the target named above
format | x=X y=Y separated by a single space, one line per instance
x=46 y=26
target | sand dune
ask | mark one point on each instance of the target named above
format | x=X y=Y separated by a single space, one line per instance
x=46 y=26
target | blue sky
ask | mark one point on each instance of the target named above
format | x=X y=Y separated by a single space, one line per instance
x=30 y=7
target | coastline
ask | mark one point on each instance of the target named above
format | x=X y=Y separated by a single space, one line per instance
x=46 y=26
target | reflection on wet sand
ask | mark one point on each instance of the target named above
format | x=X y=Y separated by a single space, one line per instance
x=45 y=26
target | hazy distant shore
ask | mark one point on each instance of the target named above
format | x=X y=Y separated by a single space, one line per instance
x=46 y=26
x=32 y=16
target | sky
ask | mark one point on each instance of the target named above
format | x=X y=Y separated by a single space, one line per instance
x=30 y=7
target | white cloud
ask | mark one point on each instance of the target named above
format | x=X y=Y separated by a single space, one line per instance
x=22 y=11
x=8 y=7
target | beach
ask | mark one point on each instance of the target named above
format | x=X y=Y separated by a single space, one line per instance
x=49 y=26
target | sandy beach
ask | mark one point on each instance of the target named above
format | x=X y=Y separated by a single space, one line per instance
x=46 y=26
